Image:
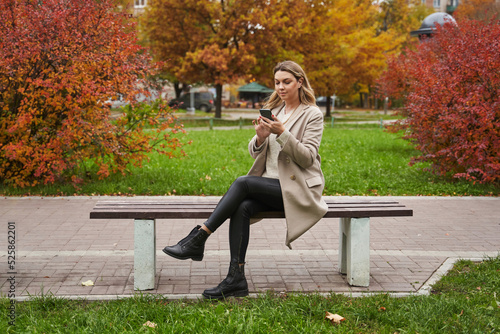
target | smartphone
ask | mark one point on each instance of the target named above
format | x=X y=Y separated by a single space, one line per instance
x=266 y=113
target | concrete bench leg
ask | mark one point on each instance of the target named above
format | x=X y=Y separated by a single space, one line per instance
x=144 y=254
x=354 y=252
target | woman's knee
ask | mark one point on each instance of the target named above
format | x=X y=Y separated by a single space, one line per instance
x=241 y=182
x=242 y=179
x=246 y=209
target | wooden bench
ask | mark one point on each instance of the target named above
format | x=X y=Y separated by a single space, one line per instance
x=354 y=230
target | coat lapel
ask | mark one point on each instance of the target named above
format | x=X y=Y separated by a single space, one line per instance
x=298 y=114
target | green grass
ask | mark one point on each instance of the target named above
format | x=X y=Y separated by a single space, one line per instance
x=467 y=300
x=211 y=122
x=342 y=118
x=374 y=162
x=357 y=159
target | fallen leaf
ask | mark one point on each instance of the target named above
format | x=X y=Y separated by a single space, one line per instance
x=334 y=318
x=88 y=283
x=382 y=308
x=149 y=324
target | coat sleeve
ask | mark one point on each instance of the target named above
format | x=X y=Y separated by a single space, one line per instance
x=304 y=151
x=253 y=149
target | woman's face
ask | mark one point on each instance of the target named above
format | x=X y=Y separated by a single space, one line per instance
x=287 y=86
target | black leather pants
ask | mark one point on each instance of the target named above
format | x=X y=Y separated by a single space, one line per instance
x=246 y=196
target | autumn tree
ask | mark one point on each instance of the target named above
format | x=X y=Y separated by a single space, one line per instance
x=478 y=9
x=344 y=49
x=61 y=60
x=451 y=88
x=402 y=16
x=342 y=44
x=212 y=42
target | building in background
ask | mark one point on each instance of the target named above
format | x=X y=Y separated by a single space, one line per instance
x=139 y=6
x=445 y=6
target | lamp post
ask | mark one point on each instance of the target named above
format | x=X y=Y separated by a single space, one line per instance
x=191 y=109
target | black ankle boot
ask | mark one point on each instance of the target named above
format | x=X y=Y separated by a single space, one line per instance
x=191 y=247
x=235 y=284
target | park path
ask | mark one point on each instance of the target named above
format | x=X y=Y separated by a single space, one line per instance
x=58 y=247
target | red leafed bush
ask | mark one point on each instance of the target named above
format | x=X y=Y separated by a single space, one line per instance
x=60 y=60
x=451 y=87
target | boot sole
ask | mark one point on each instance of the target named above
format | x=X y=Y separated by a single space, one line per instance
x=194 y=258
x=240 y=293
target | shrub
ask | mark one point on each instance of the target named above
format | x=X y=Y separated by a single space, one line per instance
x=451 y=87
x=61 y=61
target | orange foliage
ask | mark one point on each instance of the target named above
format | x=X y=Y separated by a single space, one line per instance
x=477 y=9
x=61 y=60
x=342 y=44
x=347 y=49
x=201 y=41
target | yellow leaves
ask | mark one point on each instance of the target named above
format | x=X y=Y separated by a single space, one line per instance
x=476 y=9
x=88 y=283
x=149 y=324
x=207 y=177
x=347 y=49
x=334 y=318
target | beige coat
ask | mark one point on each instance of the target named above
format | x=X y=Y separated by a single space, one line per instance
x=299 y=166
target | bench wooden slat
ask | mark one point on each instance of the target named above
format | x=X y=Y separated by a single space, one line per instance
x=153 y=208
x=214 y=202
x=202 y=210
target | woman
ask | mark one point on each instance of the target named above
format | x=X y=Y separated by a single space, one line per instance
x=286 y=176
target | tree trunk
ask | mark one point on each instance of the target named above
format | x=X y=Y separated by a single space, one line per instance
x=363 y=100
x=218 y=101
x=178 y=89
x=328 y=106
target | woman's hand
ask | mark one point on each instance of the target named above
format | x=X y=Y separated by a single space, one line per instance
x=275 y=126
x=264 y=127
x=261 y=130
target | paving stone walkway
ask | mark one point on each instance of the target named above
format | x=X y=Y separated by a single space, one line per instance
x=58 y=247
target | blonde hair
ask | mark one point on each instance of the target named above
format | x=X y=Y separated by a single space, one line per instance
x=306 y=93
